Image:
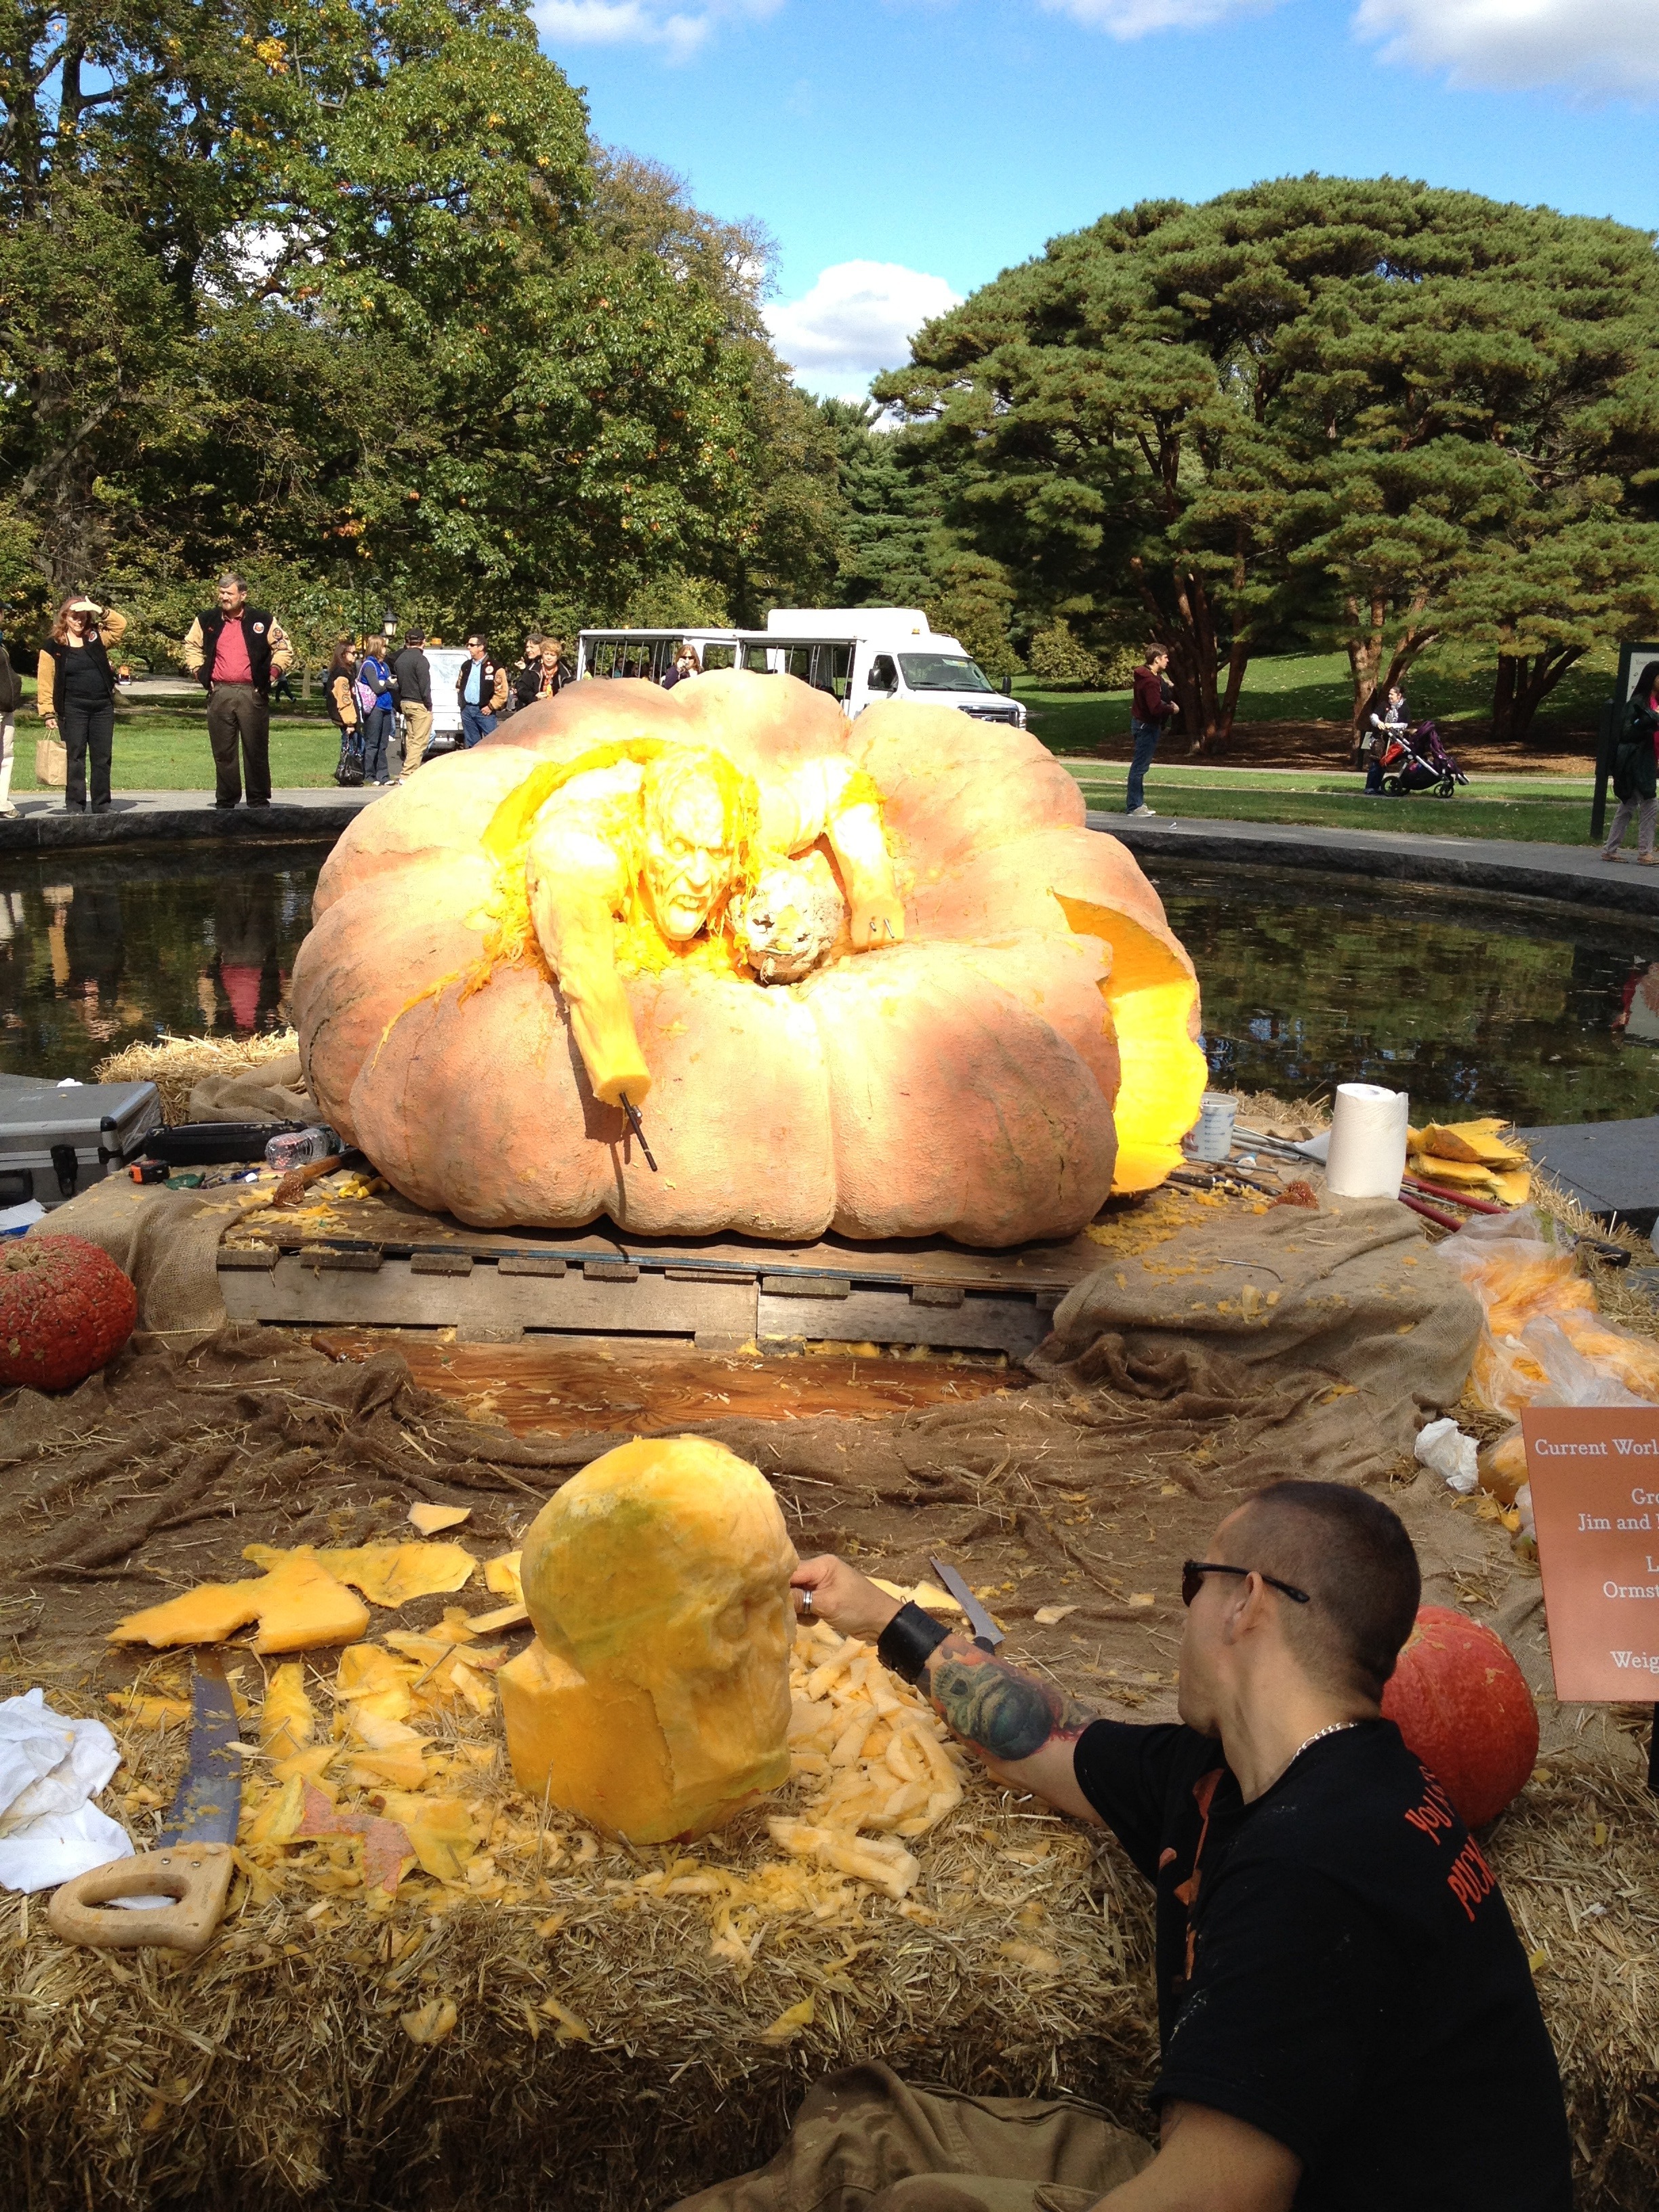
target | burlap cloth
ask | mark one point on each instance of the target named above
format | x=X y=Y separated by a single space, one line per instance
x=866 y=2141
x=274 y=1091
x=1329 y=1334
x=166 y=1240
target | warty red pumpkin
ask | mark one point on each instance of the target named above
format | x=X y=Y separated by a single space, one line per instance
x=65 y=1310
x=1462 y=1705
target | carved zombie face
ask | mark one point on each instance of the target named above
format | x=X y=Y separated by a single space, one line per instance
x=689 y=856
x=655 y=1701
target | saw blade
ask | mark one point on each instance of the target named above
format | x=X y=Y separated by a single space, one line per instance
x=209 y=1800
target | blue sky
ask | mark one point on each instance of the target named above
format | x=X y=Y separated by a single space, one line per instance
x=902 y=151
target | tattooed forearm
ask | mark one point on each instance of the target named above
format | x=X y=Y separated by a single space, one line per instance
x=992 y=1705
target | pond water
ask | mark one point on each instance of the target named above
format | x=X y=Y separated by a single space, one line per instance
x=1473 y=1006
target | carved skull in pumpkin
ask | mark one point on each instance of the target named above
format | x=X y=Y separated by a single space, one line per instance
x=875 y=977
x=655 y=1698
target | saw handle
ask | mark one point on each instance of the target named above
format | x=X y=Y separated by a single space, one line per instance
x=196 y=1876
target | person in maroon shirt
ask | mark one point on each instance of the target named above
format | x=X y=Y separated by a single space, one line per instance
x=233 y=649
x=1149 y=710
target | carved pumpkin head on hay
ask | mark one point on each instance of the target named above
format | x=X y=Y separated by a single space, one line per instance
x=874 y=977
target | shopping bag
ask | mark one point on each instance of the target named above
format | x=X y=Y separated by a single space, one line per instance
x=51 y=764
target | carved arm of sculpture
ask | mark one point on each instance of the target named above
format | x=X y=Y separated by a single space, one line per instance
x=832 y=798
x=578 y=883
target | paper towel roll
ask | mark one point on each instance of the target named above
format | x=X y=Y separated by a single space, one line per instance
x=1368 y=1141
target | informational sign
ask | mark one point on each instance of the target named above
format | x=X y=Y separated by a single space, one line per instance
x=1594 y=1478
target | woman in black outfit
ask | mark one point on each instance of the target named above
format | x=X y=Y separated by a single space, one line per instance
x=75 y=691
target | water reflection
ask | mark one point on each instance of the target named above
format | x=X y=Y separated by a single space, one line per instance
x=102 y=951
x=1472 y=1007
x=1541 y=1014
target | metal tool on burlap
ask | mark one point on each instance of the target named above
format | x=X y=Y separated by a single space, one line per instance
x=192 y=1861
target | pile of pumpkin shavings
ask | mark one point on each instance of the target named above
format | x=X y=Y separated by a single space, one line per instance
x=386 y=1785
x=873 y=1756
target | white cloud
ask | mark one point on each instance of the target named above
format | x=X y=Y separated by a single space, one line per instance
x=857 y=318
x=678 y=30
x=1135 y=18
x=1594 y=46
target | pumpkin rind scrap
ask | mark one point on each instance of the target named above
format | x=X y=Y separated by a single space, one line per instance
x=653 y=1701
x=1462 y=1705
x=65 y=1310
x=1002 y=1032
x=297 y=1605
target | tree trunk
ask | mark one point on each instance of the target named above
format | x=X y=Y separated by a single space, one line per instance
x=1502 y=696
x=1364 y=658
x=1187 y=633
x=1535 y=684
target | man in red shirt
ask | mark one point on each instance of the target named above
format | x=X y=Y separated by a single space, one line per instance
x=233 y=649
x=1149 y=710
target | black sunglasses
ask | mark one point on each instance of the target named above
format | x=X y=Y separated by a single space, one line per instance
x=1193 y=1572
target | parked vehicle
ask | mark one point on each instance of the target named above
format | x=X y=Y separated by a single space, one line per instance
x=857 y=655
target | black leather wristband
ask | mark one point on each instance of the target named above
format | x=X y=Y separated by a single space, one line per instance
x=908 y=1642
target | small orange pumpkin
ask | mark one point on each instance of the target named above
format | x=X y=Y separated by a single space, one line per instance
x=1462 y=1705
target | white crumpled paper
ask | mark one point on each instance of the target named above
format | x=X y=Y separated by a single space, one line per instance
x=1454 y=1457
x=51 y=1769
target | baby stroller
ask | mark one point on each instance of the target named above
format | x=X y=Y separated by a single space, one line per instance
x=1417 y=760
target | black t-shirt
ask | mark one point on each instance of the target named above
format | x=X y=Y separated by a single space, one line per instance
x=1336 y=1965
x=83 y=675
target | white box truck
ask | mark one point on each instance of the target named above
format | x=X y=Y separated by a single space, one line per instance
x=857 y=655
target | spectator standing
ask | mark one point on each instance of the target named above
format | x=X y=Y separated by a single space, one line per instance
x=1149 y=710
x=1635 y=769
x=234 y=649
x=377 y=701
x=687 y=662
x=11 y=698
x=340 y=691
x=412 y=672
x=74 y=693
x=481 y=689
x=556 y=672
x=524 y=686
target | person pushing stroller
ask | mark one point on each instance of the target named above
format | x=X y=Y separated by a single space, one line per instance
x=1380 y=730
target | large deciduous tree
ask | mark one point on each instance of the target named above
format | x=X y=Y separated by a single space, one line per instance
x=346 y=287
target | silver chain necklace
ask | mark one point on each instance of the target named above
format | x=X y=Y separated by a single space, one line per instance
x=1334 y=1728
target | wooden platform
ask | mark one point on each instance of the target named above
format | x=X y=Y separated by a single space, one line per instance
x=382 y=1263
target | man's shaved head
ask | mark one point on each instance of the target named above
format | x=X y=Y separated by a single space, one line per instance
x=1352 y=1555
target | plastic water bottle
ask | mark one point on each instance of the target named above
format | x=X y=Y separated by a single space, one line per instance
x=299 y=1148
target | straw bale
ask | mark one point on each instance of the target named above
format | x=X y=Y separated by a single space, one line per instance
x=175 y=1064
x=573 y=2023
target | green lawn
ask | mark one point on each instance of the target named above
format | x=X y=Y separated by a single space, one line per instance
x=1557 y=815
x=1313 y=687
x=165 y=748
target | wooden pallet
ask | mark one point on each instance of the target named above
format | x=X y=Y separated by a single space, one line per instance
x=388 y=1266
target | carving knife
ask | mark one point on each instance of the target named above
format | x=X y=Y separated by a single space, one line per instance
x=986 y=1631
x=192 y=1861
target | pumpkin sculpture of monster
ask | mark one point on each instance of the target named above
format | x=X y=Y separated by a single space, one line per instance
x=874 y=977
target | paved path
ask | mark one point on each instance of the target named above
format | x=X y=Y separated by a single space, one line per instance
x=1575 y=873
x=145 y=817
x=1610 y=1167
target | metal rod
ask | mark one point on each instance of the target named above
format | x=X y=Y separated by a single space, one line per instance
x=638 y=1127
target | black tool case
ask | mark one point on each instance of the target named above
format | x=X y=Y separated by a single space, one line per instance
x=56 y=1138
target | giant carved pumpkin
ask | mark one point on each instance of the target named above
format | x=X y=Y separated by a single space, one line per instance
x=1462 y=1704
x=874 y=977
x=654 y=1698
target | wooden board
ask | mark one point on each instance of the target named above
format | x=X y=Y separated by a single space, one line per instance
x=380 y=1263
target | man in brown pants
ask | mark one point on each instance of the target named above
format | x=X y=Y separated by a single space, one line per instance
x=234 y=649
